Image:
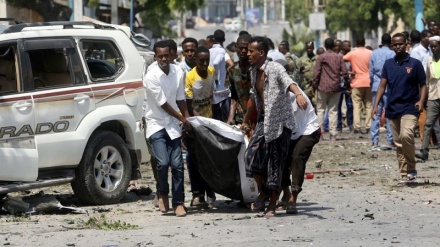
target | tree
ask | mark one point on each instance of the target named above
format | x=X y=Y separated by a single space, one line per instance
x=296 y=11
x=358 y=15
x=156 y=18
x=298 y=39
x=432 y=10
x=157 y=13
x=362 y=15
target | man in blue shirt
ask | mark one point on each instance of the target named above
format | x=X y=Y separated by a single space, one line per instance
x=378 y=58
x=405 y=83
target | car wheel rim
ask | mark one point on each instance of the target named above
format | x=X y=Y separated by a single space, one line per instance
x=108 y=168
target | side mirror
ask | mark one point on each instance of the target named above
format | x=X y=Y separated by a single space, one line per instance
x=140 y=40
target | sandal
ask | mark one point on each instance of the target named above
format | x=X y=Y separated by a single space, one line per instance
x=291 y=208
x=281 y=205
x=269 y=213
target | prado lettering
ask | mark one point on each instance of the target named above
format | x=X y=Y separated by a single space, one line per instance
x=42 y=128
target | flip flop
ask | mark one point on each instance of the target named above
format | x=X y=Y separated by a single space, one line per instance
x=281 y=205
x=269 y=214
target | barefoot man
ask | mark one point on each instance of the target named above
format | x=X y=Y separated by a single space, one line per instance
x=268 y=147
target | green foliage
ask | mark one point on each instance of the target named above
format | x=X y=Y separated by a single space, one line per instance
x=358 y=15
x=432 y=10
x=102 y=223
x=93 y=3
x=296 y=11
x=156 y=22
x=156 y=14
x=298 y=39
x=362 y=15
x=185 y=5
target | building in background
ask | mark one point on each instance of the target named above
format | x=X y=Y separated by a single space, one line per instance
x=217 y=10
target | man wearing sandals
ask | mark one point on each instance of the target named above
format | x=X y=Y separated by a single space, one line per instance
x=268 y=146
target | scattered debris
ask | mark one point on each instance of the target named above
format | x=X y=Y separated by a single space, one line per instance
x=354 y=170
x=48 y=204
x=369 y=216
x=431 y=202
x=303 y=240
x=381 y=148
x=39 y=203
x=242 y=218
x=144 y=244
x=15 y=205
x=101 y=210
x=318 y=164
x=141 y=191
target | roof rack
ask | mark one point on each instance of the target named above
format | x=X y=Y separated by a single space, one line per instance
x=66 y=25
x=10 y=19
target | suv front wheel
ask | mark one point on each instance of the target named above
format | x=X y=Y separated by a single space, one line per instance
x=104 y=173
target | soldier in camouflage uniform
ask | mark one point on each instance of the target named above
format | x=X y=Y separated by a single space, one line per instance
x=240 y=82
x=308 y=63
x=293 y=62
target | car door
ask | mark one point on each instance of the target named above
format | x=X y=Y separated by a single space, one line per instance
x=61 y=98
x=18 y=147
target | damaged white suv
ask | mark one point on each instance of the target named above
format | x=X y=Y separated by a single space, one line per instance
x=71 y=97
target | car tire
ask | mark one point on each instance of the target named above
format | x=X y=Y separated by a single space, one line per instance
x=100 y=180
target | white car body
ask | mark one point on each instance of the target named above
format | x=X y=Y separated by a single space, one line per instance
x=47 y=128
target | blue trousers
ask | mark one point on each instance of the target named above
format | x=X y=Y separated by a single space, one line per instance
x=375 y=126
x=349 y=113
x=168 y=153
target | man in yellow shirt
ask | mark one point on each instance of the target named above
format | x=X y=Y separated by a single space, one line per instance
x=199 y=92
x=199 y=85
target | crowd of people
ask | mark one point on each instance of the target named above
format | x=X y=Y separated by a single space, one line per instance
x=284 y=104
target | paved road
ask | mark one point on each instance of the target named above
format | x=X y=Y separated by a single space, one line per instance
x=364 y=208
